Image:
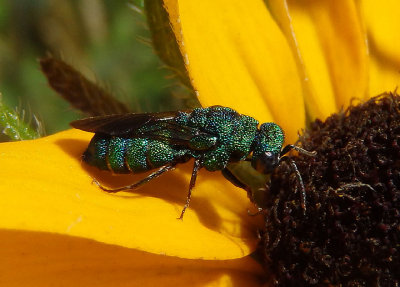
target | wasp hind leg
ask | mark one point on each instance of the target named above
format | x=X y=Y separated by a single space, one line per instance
x=154 y=175
x=196 y=167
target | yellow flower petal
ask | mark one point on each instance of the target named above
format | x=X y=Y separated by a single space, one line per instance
x=330 y=44
x=382 y=23
x=45 y=187
x=385 y=76
x=44 y=259
x=237 y=56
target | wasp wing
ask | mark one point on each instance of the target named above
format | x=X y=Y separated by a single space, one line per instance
x=161 y=126
x=121 y=124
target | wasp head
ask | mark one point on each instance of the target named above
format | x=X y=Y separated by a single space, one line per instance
x=267 y=147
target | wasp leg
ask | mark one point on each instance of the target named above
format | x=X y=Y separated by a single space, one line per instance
x=196 y=168
x=289 y=147
x=140 y=182
x=299 y=180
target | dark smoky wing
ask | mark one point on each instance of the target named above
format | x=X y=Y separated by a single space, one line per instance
x=159 y=126
x=122 y=125
x=171 y=132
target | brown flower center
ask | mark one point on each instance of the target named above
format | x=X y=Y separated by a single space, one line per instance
x=350 y=231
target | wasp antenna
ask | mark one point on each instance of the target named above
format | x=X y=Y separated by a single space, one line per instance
x=302 y=188
x=303 y=151
x=303 y=200
x=289 y=147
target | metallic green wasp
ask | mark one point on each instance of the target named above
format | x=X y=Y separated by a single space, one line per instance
x=214 y=137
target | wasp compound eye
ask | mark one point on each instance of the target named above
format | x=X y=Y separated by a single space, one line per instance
x=265 y=162
x=349 y=235
x=267 y=146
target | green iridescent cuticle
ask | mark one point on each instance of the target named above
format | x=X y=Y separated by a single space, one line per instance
x=213 y=137
x=220 y=135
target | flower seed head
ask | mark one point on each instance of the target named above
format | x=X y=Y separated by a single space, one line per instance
x=349 y=234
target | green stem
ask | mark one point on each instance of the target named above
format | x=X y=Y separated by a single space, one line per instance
x=14 y=126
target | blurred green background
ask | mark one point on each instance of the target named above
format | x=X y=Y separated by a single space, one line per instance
x=107 y=41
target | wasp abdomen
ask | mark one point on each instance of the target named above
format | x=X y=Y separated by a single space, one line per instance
x=129 y=155
x=96 y=152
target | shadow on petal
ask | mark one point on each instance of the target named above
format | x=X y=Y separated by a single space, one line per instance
x=171 y=187
x=58 y=197
x=45 y=259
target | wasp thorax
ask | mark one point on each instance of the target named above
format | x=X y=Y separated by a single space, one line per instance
x=267 y=147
